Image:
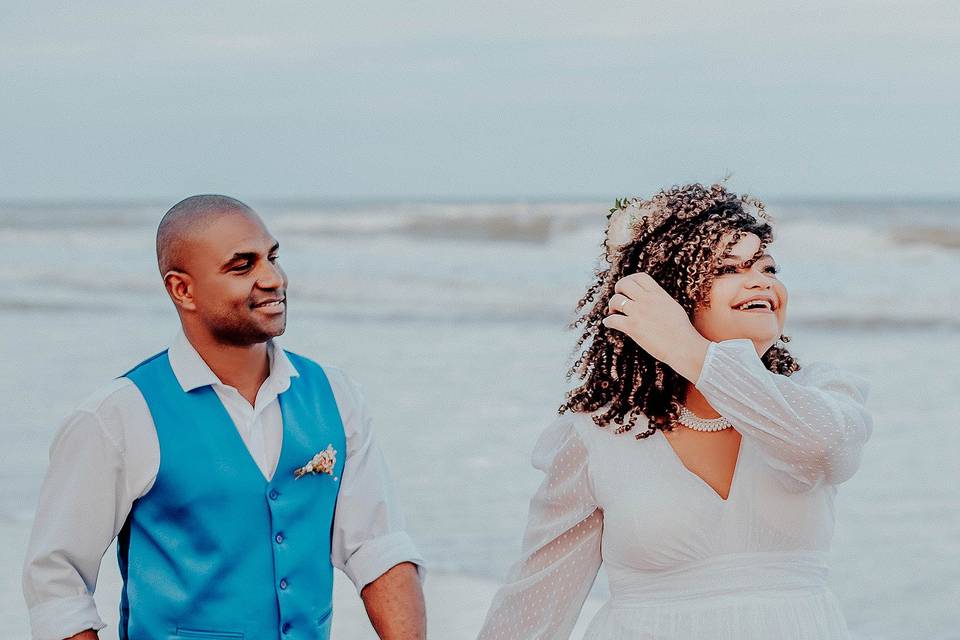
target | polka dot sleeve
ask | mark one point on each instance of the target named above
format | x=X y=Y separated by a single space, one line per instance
x=544 y=591
x=810 y=426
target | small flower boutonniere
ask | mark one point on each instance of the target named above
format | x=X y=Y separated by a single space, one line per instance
x=323 y=462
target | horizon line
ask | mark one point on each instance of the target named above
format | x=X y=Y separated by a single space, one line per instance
x=290 y=200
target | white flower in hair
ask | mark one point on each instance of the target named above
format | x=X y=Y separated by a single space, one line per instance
x=623 y=221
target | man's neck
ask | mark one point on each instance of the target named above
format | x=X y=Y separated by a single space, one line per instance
x=243 y=367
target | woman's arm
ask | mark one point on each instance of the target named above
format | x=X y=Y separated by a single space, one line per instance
x=544 y=591
x=811 y=425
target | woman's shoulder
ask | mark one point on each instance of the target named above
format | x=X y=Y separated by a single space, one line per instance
x=560 y=436
x=578 y=431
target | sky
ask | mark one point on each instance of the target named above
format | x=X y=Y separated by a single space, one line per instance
x=458 y=100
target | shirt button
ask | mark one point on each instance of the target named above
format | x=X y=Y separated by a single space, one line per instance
x=285 y=628
x=280 y=538
x=274 y=494
x=283 y=584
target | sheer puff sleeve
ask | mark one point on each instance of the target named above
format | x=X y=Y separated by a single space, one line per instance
x=543 y=592
x=810 y=427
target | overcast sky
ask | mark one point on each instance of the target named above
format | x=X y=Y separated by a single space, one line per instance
x=478 y=100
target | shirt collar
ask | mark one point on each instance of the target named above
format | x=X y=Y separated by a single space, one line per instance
x=192 y=372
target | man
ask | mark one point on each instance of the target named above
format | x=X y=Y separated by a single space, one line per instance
x=234 y=475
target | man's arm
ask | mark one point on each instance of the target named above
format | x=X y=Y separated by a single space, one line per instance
x=395 y=605
x=370 y=543
x=89 y=634
x=82 y=505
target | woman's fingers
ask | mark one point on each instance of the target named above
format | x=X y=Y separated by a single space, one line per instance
x=616 y=321
x=644 y=279
x=619 y=303
x=635 y=285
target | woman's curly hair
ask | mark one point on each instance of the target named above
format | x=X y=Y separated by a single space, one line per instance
x=677 y=238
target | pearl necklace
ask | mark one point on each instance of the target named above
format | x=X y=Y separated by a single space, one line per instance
x=692 y=421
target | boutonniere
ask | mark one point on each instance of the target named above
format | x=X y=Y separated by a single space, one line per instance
x=323 y=462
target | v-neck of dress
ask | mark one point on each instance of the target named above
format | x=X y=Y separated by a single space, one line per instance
x=696 y=478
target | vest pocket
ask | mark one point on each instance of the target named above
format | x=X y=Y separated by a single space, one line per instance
x=183 y=632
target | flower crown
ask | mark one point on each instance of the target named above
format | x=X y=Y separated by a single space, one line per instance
x=629 y=214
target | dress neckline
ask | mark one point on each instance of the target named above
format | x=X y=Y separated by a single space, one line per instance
x=696 y=478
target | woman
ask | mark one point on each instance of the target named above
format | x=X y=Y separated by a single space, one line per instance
x=697 y=459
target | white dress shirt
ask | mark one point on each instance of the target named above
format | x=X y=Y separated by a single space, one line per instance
x=106 y=455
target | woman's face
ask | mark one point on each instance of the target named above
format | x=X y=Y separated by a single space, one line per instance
x=738 y=282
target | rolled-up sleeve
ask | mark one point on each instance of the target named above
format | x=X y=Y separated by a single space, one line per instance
x=369 y=535
x=81 y=507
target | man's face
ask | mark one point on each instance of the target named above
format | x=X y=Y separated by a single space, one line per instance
x=238 y=287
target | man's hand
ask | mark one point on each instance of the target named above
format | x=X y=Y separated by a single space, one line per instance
x=89 y=634
x=395 y=605
x=645 y=312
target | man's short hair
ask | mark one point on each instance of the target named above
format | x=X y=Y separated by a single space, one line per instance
x=187 y=218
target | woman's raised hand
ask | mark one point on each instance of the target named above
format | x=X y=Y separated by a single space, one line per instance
x=648 y=315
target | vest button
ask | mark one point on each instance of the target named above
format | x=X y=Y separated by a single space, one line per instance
x=285 y=628
x=283 y=584
x=280 y=538
x=274 y=494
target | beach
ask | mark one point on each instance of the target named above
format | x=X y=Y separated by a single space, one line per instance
x=452 y=317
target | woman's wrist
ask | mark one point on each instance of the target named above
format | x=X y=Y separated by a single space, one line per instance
x=690 y=355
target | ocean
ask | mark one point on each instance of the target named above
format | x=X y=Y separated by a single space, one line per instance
x=452 y=317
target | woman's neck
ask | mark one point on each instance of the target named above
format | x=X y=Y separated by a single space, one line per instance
x=696 y=402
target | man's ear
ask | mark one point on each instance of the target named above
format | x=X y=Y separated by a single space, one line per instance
x=180 y=287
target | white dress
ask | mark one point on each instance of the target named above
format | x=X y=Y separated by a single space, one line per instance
x=683 y=563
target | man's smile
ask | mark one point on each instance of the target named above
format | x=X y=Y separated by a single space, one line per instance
x=272 y=306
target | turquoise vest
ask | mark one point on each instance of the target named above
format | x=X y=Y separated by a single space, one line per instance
x=215 y=551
